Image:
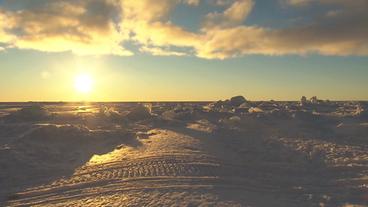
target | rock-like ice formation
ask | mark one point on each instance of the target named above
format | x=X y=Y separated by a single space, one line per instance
x=237 y=100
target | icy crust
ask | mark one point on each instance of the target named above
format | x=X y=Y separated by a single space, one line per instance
x=315 y=150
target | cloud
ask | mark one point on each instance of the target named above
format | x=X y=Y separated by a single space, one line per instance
x=147 y=10
x=192 y=2
x=354 y=3
x=233 y=15
x=153 y=28
x=221 y=43
x=83 y=27
x=221 y=2
x=158 y=51
x=298 y=2
x=338 y=33
x=341 y=35
x=5 y=23
x=164 y=34
x=101 y=27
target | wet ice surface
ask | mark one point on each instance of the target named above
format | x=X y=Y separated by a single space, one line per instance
x=228 y=153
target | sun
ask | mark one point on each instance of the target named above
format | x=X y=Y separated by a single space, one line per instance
x=83 y=83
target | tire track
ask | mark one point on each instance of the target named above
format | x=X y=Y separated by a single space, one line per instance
x=164 y=172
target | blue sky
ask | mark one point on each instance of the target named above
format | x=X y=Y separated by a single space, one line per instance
x=184 y=50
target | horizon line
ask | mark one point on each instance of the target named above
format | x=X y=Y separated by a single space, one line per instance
x=173 y=101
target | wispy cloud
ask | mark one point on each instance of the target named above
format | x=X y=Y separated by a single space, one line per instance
x=101 y=27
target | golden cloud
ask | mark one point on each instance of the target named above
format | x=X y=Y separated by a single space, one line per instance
x=6 y=22
x=101 y=27
x=83 y=27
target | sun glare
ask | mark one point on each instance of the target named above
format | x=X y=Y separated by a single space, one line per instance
x=83 y=83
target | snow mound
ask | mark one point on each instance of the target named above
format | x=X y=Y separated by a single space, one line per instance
x=29 y=113
x=52 y=133
x=139 y=113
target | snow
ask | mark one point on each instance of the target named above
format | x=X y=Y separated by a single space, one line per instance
x=228 y=153
x=139 y=112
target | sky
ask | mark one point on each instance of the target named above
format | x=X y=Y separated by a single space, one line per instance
x=183 y=50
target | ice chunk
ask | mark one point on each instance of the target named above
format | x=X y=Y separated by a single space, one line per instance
x=231 y=122
x=361 y=111
x=279 y=113
x=225 y=106
x=138 y=113
x=234 y=119
x=179 y=113
x=245 y=105
x=303 y=101
x=255 y=110
x=243 y=108
x=237 y=100
x=110 y=113
x=267 y=106
x=314 y=100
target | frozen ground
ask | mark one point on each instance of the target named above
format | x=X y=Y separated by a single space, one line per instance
x=228 y=153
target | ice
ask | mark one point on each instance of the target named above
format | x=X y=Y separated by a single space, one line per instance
x=230 y=104
x=237 y=100
x=255 y=110
x=29 y=113
x=361 y=111
x=303 y=101
x=180 y=113
x=245 y=105
x=304 y=153
x=314 y=100
x=110 y=113
x=139 y=112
